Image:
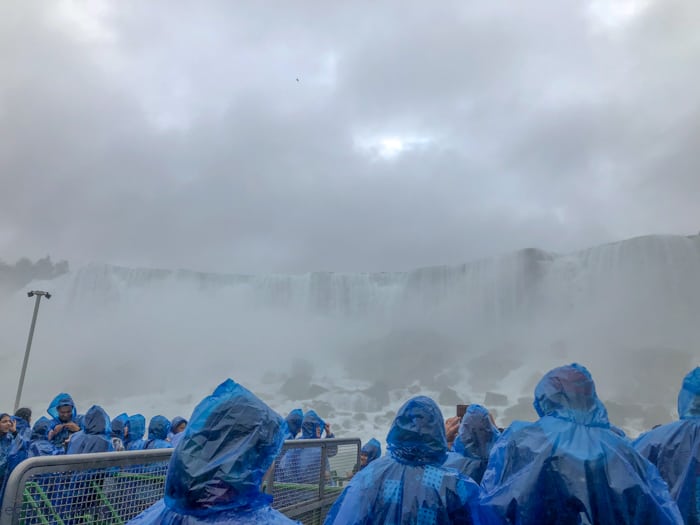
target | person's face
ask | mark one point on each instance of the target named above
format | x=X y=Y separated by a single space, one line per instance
x=180 y=428
x=5 y=424
x=65 y=413
x=363 y=459
x=318 y=432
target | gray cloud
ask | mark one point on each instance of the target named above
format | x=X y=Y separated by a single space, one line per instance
x=168 y=135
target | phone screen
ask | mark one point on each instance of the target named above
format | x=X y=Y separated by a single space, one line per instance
x=461 y=410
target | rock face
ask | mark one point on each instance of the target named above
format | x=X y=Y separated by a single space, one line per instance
x=494 y=399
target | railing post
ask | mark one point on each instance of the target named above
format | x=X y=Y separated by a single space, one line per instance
x=322 y=483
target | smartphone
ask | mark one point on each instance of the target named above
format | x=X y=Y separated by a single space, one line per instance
x=461 y=410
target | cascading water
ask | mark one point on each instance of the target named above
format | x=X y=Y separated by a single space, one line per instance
x=501 y=320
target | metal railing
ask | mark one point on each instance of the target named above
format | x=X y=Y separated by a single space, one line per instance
x=114 y=487
x=309 y=475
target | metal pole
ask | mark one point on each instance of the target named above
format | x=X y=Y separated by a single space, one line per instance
x=38 y=295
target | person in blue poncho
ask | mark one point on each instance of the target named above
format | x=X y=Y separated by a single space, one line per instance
x=158 y=430
x=675 y=450
x=303 y=465
x=569 y=467
x=120 y=429
x=177 y=427
x=476 y=436
x=96 y=436
x=216 y=471
x=39 y=444
x=294 y=420
x=137 y=428
x=8 y=438
x=409 y=485
x=64 y=419
x=23 y=419
x=369 y=452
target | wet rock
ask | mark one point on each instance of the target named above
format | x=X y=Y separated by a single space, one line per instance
x=495 y=399
x=490 y=369
x=448 y=397
x=378 y=392
x=316 y=390
x=521 y=411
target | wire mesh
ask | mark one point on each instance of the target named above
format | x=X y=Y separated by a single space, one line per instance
x=111 y=495
x=310 y=475
x=112 y=488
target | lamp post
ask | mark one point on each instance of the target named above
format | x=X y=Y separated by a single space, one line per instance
x=38 y=294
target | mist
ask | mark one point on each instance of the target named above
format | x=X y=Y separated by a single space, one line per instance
x=354 y=346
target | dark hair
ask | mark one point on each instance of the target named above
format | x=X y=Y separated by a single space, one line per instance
x=25 y=413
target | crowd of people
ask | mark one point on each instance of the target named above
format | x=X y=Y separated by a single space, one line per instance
x=67 y=432
x=571 y=466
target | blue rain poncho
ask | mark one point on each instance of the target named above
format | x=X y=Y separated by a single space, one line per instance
x=675 y=450
x=23 y=428
x=303 y=465
x=215 y=473
x=176 y=438
x=409 y=485
x=61 y=400
x=312 y=426
x=137 y=428
x=372 y=449
x=96 y=436
x=6 y=443
x=119 y=423
x=39 y=444
x=120 y=427
x=158 y=430
x=293 y=420
x=176 y=422
x=569 y=467
x=472 y=446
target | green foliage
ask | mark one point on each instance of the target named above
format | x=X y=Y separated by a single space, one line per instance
x=17 y=276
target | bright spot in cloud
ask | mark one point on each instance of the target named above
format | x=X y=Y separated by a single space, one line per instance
x=390 y=147
x=613 y=13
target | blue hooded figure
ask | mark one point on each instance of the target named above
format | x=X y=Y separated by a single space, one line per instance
x=39 y=445
x=137 y=428
x=370 y=451
x=177 y=430
x=178 y=425
x=64 y=419
x=473 y=444
x=158 y=430
x=409 y=485
x=216 y=471
x=312 y=426
x=569 y=467
x=303 y=465
x=96 y=436
x=22 y=424
x=675 y=450
x=294 y=420
x=120 y=429
x=12 y=449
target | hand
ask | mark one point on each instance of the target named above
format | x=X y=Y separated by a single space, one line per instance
x=72 y=427
x=327 y=428
x=452 y=428
x=13 y=426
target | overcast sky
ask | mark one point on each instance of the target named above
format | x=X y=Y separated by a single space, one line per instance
x=353 y=136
